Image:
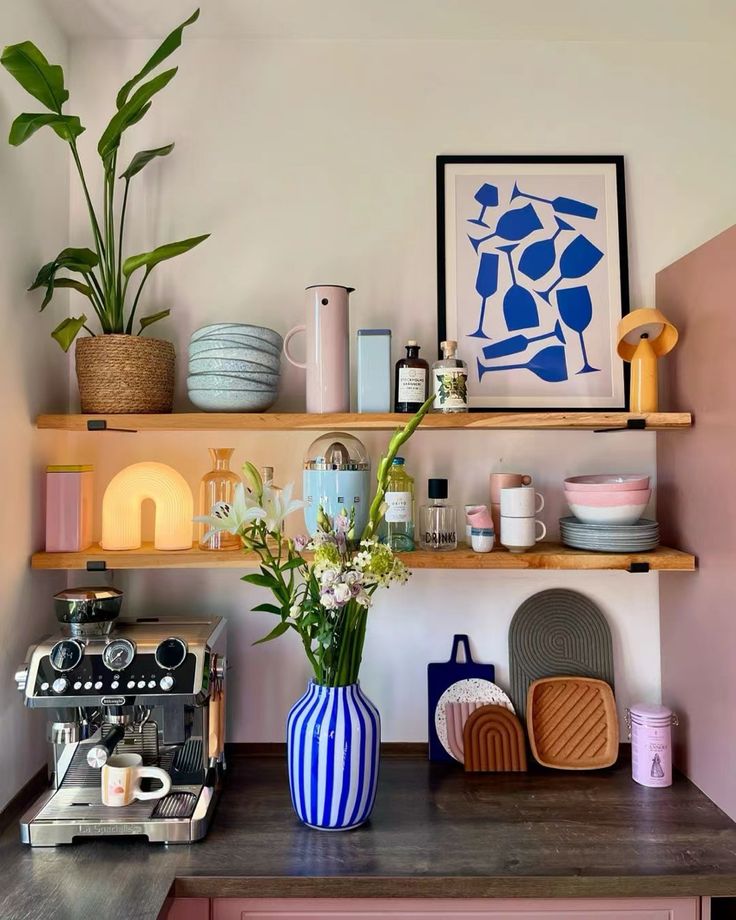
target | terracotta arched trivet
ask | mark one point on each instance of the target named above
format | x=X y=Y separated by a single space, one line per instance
x=493 y=740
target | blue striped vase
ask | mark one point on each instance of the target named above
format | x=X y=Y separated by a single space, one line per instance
x=333 y=739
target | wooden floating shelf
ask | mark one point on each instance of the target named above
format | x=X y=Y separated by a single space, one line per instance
x=544 y=556
x=302 y=421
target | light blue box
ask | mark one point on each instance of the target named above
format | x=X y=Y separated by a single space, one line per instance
x=374 y=370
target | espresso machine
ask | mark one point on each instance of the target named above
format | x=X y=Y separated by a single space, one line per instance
x=150 y=686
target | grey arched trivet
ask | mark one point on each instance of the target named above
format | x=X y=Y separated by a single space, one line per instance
x=557 y=632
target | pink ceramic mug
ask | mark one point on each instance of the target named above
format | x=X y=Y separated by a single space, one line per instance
x=480 y=518
x=507 y=481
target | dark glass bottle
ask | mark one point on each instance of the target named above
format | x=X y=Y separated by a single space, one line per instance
x=411 y=380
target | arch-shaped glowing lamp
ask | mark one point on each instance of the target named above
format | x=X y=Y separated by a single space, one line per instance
x=643 y=336
x=121 y=507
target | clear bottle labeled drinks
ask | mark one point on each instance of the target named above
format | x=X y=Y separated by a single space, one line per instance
x=411 y=380
x=437 y=522
x=450 y=380
x=397 y=527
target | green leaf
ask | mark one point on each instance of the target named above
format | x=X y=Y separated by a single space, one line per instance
x=42 y=80
x=167 y=47
x=70 y=259
x=168 y=251
x=143 y=158
x=67 y=127
x=267 y=608
x=152 y=318
x=277 y=631
x=76 y=285
x=67 y=330
x=292 y=564
x=262 y=581
x=131 y=113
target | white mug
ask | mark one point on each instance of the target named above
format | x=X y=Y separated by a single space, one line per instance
x=121 y=777
x=518 y=534
x=519 y=502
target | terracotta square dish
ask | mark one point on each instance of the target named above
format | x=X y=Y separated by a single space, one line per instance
x=572 y=723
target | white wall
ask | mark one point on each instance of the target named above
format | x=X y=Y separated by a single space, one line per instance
x=33 y=378
x=314 y=161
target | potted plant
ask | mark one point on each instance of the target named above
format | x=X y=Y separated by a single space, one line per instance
x=117 y=371
x=334 y=731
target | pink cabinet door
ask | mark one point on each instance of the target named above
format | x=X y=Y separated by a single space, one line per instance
x=186 y=909
x=431 y=909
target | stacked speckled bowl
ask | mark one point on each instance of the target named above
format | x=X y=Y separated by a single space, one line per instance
x=234 y=367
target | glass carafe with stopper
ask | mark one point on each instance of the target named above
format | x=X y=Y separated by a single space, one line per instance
x=217 y=486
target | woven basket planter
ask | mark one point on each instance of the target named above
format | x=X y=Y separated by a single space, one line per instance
x=125 y=374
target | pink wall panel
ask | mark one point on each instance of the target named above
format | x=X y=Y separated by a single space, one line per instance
x=696 y=504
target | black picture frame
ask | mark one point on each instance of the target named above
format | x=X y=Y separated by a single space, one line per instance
x=615 y=160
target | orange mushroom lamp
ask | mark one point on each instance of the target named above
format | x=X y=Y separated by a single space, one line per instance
x=643 y=336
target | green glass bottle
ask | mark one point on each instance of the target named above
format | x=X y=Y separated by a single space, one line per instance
x=397 y=527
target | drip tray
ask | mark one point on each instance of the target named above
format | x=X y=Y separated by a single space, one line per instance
x=175 y=805
x=85 y=804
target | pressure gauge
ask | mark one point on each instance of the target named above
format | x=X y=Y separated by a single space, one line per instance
x=65 y=655
x=171 y=653
x=118 y=654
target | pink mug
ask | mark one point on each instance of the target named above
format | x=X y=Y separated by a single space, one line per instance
x=507 y=481
x=480 y=518
x=328 y=348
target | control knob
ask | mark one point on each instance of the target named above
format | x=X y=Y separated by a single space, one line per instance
x=60 y=685
x=21 y=677
x=166 y=682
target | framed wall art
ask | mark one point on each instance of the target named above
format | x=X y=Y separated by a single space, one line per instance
x=533 y=278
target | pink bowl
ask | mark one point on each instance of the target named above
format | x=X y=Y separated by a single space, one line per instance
x=608 y=499
x=608 y=482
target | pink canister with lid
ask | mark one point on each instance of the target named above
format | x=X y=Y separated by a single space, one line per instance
x=650 y=729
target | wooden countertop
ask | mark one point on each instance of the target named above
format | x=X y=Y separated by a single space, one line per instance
x=435 y=832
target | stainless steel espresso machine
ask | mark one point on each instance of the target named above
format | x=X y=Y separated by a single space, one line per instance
x=150 y=686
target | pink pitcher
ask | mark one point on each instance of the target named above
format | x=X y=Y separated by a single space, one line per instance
x=328 y=348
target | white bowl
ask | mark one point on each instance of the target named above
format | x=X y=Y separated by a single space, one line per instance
x=212 y=365
x=251 y=381
x=226 y=329
x=233 y=400
x=612 y=514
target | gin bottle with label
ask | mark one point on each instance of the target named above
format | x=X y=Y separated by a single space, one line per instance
x=438 y=530
x=411 y=380
x=450 y=380
x=397 y=527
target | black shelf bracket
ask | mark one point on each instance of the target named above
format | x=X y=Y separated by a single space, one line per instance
x=100 y=424
x=96 y=565
x=637 y=568
x=632 y=424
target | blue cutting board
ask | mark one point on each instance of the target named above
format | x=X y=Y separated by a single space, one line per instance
x=440 y=676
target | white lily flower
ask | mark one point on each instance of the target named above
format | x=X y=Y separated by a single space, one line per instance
x=278 y=505
x=328 y=600
x=232 y=517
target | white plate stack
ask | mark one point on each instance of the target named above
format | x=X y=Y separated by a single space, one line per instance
x=234 y=367
x=610 y=538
